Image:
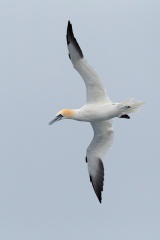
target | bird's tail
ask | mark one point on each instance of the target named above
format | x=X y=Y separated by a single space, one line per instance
x=129 y=106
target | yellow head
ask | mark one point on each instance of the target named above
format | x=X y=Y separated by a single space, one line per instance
x=67 y=113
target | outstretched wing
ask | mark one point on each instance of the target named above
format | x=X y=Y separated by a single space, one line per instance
x=102 y=140
x=94 y=87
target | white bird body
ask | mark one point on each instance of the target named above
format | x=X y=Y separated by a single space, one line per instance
x=98 y=110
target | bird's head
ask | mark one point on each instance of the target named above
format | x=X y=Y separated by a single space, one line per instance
x=63 y=114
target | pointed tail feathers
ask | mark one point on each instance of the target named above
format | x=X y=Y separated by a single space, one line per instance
x=130 y=106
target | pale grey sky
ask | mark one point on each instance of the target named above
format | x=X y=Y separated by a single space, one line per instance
x=45 y=191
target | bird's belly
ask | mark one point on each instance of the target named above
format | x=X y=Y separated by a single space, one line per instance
x=99 y=113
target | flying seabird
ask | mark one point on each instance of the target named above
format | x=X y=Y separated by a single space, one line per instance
x=99 y=110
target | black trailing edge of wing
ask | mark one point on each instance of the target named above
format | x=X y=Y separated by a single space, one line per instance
x=71 y=39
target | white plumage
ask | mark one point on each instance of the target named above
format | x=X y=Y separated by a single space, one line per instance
x=98 y=110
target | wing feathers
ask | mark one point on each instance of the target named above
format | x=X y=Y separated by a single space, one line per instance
x=95 y=89
x=103 y=131
x=102 y=140
x=98 y=179
x=71 y=39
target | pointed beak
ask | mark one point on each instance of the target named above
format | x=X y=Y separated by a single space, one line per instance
x=57 y=118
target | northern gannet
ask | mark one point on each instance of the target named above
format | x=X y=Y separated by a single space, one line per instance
x=98 y=110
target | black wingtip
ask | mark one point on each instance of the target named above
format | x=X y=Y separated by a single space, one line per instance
x=69 y=30
x=69 y=23
x=71 y=39
x=97 y=181
x=98 y=194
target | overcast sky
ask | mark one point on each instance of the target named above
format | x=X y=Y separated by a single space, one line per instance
x=45 y=191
